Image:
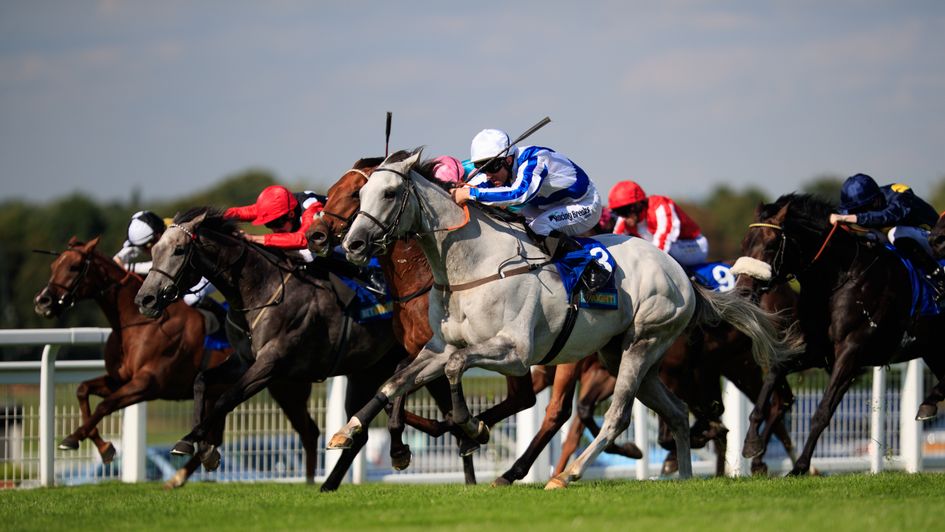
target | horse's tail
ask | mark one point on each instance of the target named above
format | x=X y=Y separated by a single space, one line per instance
x=771 y=343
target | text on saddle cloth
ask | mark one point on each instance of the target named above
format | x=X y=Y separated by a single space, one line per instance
x=365 y=305
x=715 y=276
x=572 y=265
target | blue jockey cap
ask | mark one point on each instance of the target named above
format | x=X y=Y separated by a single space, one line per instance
x=857 y=192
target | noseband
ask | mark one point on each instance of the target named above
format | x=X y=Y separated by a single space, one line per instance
x=171 y=292
x=69 y=295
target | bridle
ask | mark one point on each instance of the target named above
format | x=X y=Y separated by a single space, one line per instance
x=171 y=292
x=777 y=262
x=387 y=230
x=68 y=299
x=345 y=220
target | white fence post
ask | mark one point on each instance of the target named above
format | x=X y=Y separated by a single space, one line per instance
x=910 y=430
x=335 y=416
x=47 y=416
x=641 y=437
x=527 y=423
x=134 y=437
x=878 y=421
x=735 y=418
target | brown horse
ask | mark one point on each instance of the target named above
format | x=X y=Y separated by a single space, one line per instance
x=145 y=359
x=148 y=359
x=410 y=280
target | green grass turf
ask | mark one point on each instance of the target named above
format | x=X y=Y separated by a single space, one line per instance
x=845 y=502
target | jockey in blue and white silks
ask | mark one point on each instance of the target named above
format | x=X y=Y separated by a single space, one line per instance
x=554 y=194
x=550 y=190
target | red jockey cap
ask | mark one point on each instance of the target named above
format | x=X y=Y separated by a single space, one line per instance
x=273 y=202
x=625 y=193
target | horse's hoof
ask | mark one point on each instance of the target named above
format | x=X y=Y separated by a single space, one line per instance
x=926 y=412
x=467 y=447
x=183 y=448
x=759 y=470
x=69 y=443
x=632 y=451
x=669 y=467
x=556 y=484
x=178 y=480
x=752 y=449
x=400 y=460
x=108 y=453
x=327 y=488
x=501 y=482
x=210 y=458
x=340 y=441
x=309 y=480
x=797 y=472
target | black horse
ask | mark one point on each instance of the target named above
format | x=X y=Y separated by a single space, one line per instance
x=855 y=306
x=294 y=317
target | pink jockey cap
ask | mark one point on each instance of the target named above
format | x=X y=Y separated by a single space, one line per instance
x=448 y=169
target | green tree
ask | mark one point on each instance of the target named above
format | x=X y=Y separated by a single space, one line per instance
x=724 y=218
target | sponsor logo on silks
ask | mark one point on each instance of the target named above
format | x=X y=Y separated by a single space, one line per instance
x=583 y=212
x=899 y=187
x=380 y=310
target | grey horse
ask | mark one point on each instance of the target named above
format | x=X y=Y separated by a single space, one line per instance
x=496 y=307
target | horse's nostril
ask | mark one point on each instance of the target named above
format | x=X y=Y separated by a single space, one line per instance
x=355 y=245
x=147 y=301
x=44 y=300
x=319 y=237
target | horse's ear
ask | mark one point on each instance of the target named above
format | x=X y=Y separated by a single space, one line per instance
x=197 y=219
x=414 y=157
x=92 y=243
x=73 y=242
x=782 y=214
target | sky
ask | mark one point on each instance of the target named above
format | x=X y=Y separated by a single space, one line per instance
x=166 y=98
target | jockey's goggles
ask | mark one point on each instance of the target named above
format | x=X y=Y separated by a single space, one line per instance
x=491 y=167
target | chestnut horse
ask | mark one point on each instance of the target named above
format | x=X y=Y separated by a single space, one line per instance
x=410 y=280
x=854 y=309
x=145 y=359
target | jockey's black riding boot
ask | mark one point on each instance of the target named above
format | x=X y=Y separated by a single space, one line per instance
x=924 y=261
x=374 y=280
x=595 y=276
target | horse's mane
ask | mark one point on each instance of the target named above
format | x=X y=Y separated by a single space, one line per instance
x=367 y=162
x=214 y=220
x=806 y=213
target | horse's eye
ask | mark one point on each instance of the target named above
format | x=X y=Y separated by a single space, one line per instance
x=390 y=194
x=179 y=250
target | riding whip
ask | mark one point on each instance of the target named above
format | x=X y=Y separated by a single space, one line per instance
x=541 y=123
x=387 y=136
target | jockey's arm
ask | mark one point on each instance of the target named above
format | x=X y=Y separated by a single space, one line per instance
x=243 y=214
x=531 y=172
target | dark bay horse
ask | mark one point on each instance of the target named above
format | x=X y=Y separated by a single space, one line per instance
x=298 y=327
x=854 y=309
x=410 y=279
x=145 y=359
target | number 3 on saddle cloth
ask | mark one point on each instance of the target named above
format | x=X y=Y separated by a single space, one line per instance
x=572 y=265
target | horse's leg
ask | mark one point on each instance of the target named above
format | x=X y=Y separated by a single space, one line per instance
x=359 y=392
x=635 y=364
x=439 y=389
x=754 y=443
x=209 y=385
x=558 y=411
x=399 y=451
x=929 y=407
x=98 y=386
x=575 y=431
x=257 y=377
x=427 y=366
x=292 y=396
x=140 y=388
x=520 y=395
x=844 y=370
x=655 y=395
x=597 y=386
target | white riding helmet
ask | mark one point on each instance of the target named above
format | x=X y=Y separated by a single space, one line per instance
x=488 y=143
x=144 y=227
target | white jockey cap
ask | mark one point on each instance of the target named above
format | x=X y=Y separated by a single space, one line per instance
x=488 y=143
x=144 y=227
